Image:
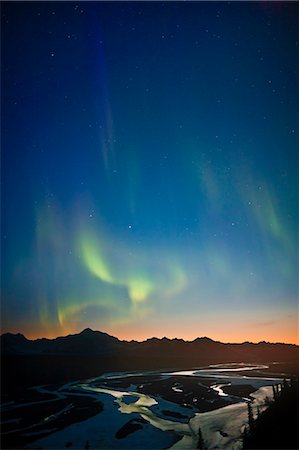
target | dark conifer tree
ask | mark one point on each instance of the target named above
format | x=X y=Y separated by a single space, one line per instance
x=200 y=444
x=250 y=417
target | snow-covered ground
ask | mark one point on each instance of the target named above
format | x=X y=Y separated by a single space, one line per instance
x=223 y=427
x=100 y=430
x=156 y=428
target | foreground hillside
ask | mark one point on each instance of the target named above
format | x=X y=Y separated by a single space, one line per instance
x=277 y=427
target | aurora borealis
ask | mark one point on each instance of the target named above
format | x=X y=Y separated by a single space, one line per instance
x=149 y=169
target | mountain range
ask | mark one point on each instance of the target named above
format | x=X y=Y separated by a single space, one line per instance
x=99 y=344
x=90 y=353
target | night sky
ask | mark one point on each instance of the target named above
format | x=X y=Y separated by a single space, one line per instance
x=149 y=169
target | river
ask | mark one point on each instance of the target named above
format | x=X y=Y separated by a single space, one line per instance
x=149 y=420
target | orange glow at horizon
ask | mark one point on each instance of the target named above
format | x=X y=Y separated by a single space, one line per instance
x=287 y=332
x=287 y=336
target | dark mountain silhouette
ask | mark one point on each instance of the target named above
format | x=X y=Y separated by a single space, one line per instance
x=27 y=363
x=86 y=342
x=96 y=343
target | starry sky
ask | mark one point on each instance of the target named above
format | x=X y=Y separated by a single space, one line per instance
x=149 y=169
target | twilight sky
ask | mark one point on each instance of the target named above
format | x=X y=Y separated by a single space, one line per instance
x=149 y=169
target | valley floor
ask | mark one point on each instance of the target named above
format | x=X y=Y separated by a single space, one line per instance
x=123 y=410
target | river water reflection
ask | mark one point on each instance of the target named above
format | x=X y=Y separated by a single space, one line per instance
x=167 y=409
